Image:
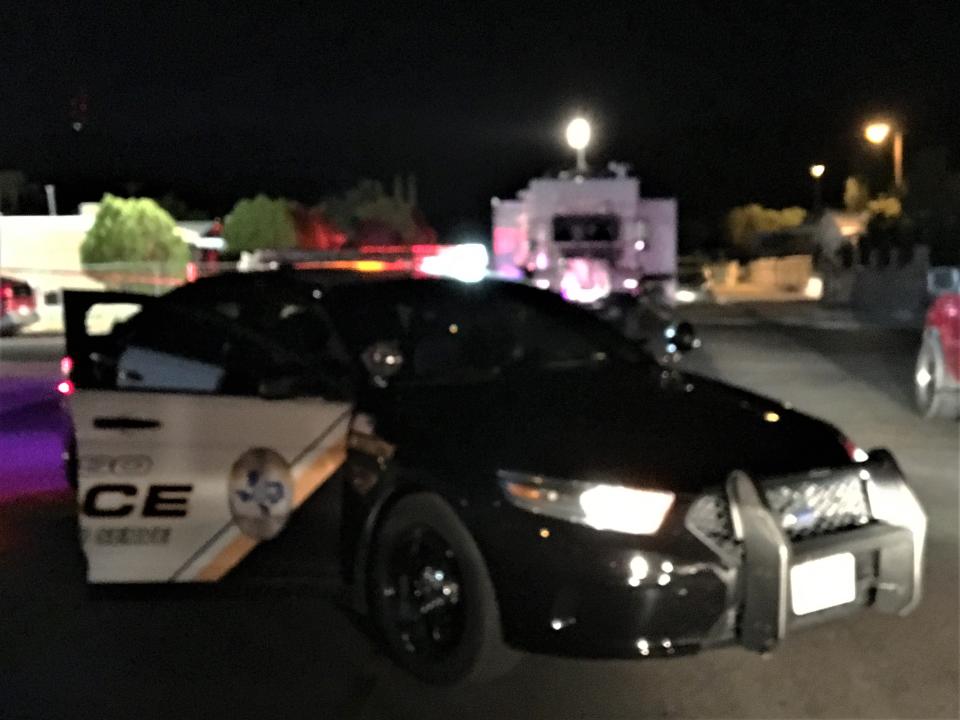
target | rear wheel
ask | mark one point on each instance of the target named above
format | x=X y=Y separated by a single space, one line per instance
x=432 y=597
x=934 y=395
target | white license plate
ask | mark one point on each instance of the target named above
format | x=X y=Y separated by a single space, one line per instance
x=823 y=583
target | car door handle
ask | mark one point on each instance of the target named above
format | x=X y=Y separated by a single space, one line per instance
x=125 y=423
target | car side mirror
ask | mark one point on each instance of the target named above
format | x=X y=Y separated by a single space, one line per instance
x=681 y=338
x=383 y=360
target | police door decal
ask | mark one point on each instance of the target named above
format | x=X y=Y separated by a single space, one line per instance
x=188 y=495
x=260 y=490
x=275 y=500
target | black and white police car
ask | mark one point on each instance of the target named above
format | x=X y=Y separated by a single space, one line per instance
x=478 y=467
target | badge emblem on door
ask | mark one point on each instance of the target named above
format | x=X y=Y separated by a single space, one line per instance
x=261 y=493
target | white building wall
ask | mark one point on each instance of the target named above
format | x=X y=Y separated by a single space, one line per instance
x=648 y=231
x=44 y=250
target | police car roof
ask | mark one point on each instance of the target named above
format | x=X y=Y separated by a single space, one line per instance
x=268 y=281
x=350 y=285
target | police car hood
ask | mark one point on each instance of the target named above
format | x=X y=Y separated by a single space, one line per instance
x=635 y=425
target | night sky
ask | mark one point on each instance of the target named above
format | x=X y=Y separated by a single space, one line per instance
x=717 y=102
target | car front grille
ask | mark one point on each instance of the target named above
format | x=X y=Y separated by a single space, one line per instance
x=807 y=507
x=819 y=506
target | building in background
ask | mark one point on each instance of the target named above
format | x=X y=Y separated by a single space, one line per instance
x=587 y=236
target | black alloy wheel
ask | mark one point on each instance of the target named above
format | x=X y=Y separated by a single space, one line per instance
x=422 y=598
x=431 y=595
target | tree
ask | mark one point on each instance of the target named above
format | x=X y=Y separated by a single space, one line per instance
x=134 y=230
x=315 y=231
x=745 y=223
x=388 y=212
x=260 y=223
x=889 y=207
x=343 y=209
x=856 y=194
x=369 y=216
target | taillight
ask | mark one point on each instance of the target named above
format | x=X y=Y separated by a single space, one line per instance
x=66 y=366
x=65 y=387
x=7 y=291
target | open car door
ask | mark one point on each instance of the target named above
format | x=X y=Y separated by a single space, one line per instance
x=183 y=467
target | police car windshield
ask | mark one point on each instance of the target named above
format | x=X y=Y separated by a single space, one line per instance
x=449 y=333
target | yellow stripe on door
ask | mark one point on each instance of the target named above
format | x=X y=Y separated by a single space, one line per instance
x=305 y=483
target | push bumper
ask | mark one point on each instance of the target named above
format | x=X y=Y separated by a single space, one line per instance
x=888 y=554
x=579 y=594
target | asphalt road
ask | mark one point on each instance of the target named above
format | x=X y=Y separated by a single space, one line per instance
x=67 y=653
x=30 y=355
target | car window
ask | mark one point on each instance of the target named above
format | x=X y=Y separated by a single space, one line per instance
x=166 y=349
x=543 y=338
x=289 y=321
x=455 y=335
x=175 y=349
x=299 y=329
x=102 y=318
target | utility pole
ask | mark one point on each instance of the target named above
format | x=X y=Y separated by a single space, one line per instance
x=51 y=198
x=816 y=172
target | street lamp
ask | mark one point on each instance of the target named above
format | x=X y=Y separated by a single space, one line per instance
x=877 y=133
x=816 y=172
x=578 y=137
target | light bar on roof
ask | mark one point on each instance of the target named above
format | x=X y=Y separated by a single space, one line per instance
x=364 y=266
x=466 y=263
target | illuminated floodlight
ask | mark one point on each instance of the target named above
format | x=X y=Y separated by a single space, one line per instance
x=578 y=133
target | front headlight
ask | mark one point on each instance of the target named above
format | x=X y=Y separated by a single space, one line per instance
x=602 y=506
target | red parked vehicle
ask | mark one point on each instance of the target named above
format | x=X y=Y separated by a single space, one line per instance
x=937 y=377
x=18 y=306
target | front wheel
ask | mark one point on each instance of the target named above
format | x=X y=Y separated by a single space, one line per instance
x=432 y=597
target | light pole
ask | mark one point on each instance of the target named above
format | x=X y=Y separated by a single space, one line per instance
x=578 y=137
x=877 y=133
x=816 y=172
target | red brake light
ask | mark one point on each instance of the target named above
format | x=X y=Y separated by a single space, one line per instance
x=65 y=387
x=66 y=366
x=7 y=291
